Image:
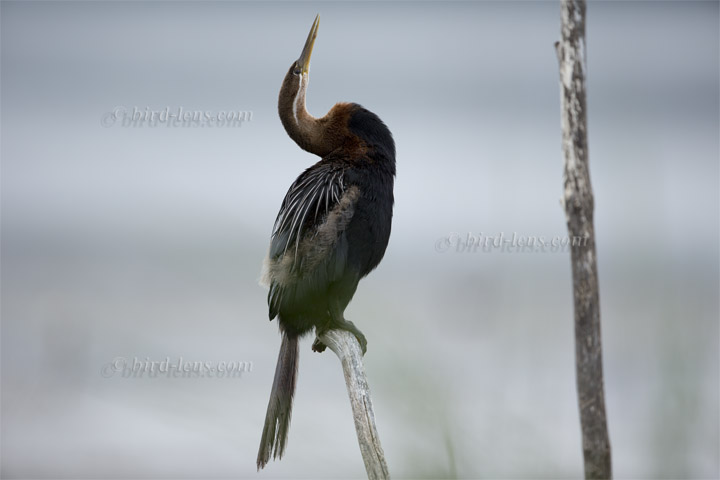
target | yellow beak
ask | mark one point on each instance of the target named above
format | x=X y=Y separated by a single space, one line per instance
x=304 y=60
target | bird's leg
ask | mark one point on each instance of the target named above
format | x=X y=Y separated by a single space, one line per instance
x=320 y=329
x=337 y=320
x=350 y=327
x=317 y=345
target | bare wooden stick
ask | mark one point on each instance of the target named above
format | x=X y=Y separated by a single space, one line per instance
x=347 y=348
x=579 y=204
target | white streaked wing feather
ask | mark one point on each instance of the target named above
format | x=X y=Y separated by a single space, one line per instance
x=307 y=192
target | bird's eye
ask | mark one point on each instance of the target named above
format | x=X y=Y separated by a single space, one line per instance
x=297 y=70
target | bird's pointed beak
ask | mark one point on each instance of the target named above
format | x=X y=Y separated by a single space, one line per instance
x=304 y=60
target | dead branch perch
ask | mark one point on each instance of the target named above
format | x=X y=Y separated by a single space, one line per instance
x=347 y=348
x=579 y=204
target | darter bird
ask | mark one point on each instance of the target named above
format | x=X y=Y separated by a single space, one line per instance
x=332 y=230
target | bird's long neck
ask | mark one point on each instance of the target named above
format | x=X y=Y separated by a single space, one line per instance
x=307 y=131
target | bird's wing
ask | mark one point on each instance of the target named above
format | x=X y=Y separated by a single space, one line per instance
x=308 y=250
x=307 y=203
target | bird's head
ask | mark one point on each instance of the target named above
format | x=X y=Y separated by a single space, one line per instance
x=296 y=79
x=299 y=124
x=301 y=67
x=344 y=126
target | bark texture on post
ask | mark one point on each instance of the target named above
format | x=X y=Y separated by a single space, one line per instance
x=347 y=348
x=579 y=204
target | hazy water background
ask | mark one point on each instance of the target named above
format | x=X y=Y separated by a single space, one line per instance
x=147 y=242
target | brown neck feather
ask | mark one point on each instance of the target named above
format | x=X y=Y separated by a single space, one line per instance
x=316 y=135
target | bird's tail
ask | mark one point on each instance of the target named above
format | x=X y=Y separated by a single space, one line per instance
x=277 y=418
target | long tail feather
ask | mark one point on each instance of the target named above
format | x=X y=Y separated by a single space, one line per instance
x=277 y=418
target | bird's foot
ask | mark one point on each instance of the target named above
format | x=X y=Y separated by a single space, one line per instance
x=350 y=327
x=359 y=335
x=362 y=340
x=320 y=347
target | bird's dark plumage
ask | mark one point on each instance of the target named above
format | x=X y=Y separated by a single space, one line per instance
x=332 y=230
